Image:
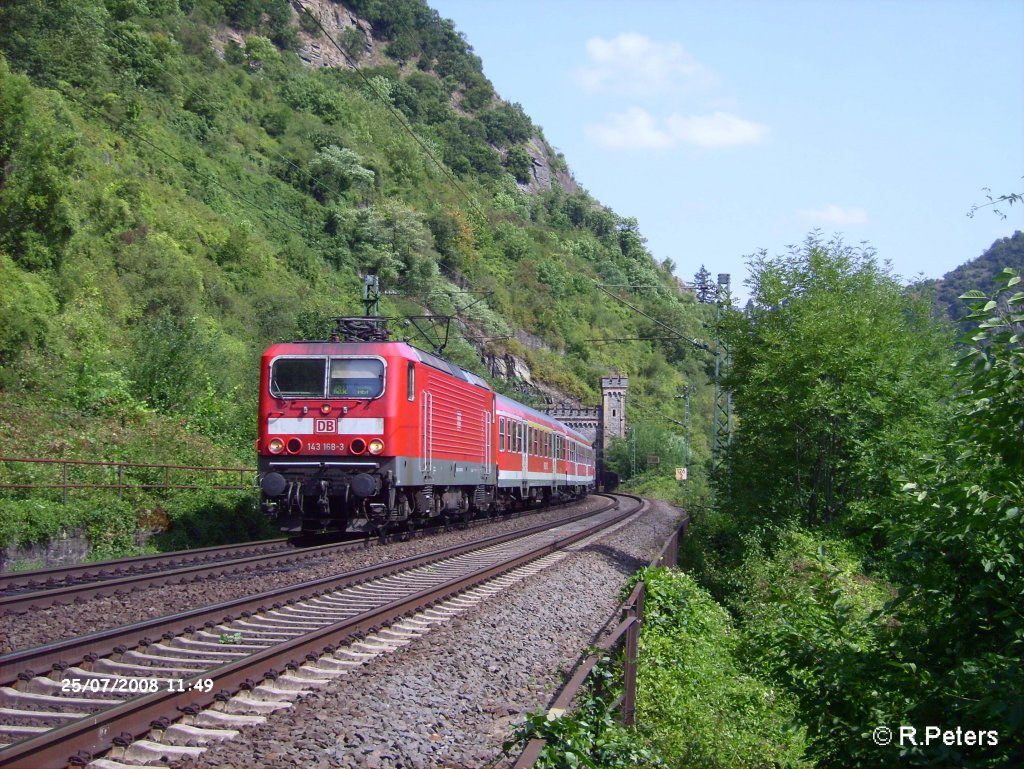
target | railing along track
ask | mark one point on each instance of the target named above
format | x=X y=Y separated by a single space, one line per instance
x=257 y=621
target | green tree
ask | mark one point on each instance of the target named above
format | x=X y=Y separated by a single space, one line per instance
x=56 y=40
x=337 y=170
x=519 y=163
x=961 y=542
x=703 y=286
x=836 y=376
x=38 y=154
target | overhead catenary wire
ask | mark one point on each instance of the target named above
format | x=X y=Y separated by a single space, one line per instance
x=657 y=413
x=696 y=343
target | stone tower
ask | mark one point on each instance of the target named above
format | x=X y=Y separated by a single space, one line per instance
x=613 y=408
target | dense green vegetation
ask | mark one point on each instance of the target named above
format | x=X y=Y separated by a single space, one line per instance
x=172 y=200
x=977 y=274
x=861 y=563
x=871 y=552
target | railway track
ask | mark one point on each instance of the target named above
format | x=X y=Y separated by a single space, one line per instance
x=15 y=583
x=22 y=592
x=67 y=701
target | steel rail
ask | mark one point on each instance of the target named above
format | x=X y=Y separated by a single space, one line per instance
x=38 y=589
x=25 y=602
x=43 y=579
x=104 y=642
x=95 y=733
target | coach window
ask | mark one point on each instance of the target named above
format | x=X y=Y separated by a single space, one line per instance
x=298 y=377
x=356 y=378
x=501 y=433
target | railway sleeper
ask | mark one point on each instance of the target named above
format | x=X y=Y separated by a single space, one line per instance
x=333 y=664
x=14 y=698
x=276 y=617
x=253 y=634
x=185 y=734
x=377 y=647
x=199 y=648
x=38 y=717
x=248 y=644
x=253 y=630
x=243 y=704
x=147 y=751
x=203 y=663
x=280 y=690
x=222 y=719
x=54 y=687
x=10 y=733
x=214 y=646
x=142 y=672
x=309 y=613
x=106 y=763
x=312 y=675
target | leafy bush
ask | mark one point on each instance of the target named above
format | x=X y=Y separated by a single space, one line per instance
x=205 y=518
x=108 y=522
x=26 y=306
x=813 y=624
x=960 y=545
x=590 y=735
x=702 y=707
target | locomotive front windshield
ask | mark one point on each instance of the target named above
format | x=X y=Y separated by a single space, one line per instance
x=356 y=378
x=298 y=377
x=314 y=378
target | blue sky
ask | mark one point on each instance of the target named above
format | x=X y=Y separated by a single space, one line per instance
x=725 y=127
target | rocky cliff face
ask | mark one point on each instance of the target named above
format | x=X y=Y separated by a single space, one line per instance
x=548 y=168
x=317 y=51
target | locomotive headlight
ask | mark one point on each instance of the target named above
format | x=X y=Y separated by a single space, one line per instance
x=376 y=446
x=325 y=409
x=276 y=445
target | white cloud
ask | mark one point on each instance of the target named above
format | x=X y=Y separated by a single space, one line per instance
x=638 y=129
x=631 y=63
x=635 y=128
x=833 y=214
x=719 y=129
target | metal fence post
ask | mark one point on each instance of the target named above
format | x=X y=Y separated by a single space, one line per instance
x=120 y=481
x=65 y=500
x=629 y=673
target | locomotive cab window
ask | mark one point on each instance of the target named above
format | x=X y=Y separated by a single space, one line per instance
x=356 y=378
x=298 y=377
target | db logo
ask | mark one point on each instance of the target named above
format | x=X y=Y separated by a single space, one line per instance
x=325 y=426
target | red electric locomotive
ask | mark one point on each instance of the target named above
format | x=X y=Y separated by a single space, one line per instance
x=368 y=434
